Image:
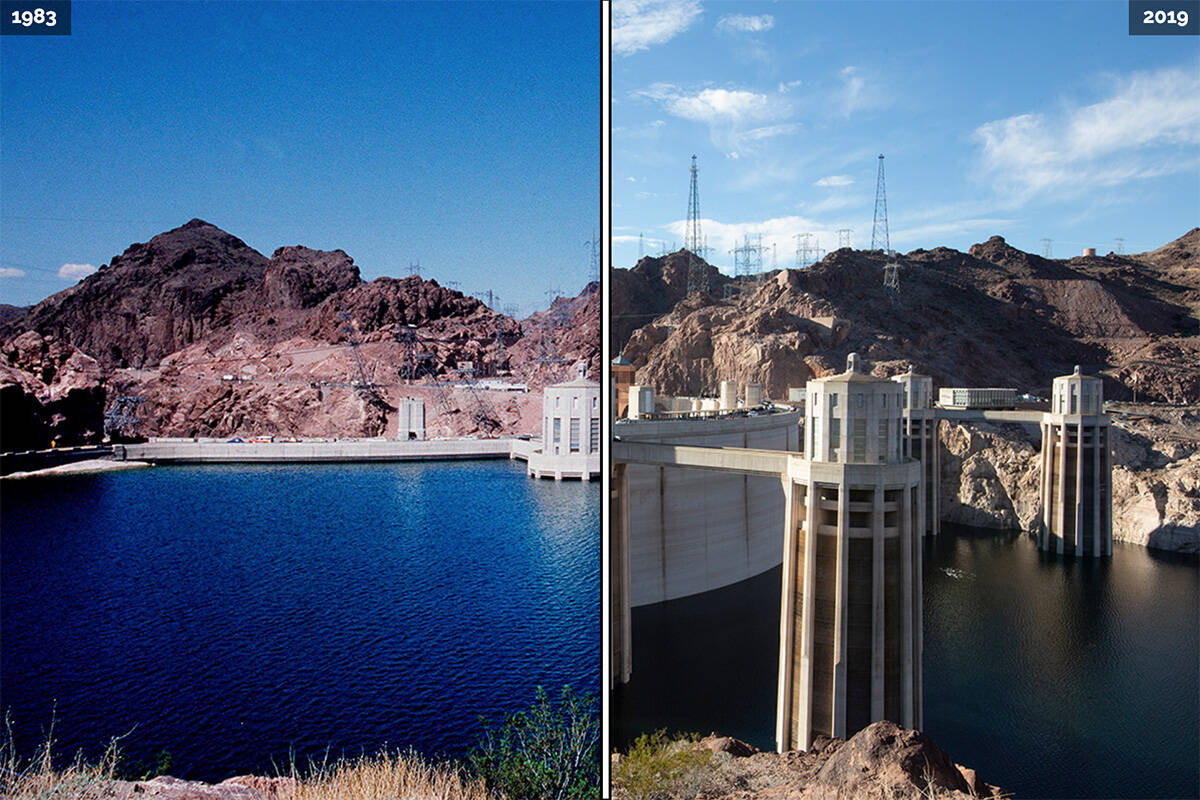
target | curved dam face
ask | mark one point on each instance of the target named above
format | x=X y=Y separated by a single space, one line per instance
x=690 y=530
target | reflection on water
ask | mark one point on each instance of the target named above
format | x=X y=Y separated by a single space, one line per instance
x=229 y=613
x=1053 y=677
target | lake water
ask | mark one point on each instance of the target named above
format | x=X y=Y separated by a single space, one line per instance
x=1052 y=677
x=231 y=614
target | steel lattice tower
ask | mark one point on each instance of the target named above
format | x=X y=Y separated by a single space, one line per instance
x=692 y=239
x=880 y=214
x=693 y=242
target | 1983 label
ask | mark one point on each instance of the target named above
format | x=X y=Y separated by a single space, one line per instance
x=1164 y=17
x=35 y=18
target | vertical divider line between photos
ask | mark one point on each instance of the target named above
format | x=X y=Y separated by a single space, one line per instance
x=605 y=396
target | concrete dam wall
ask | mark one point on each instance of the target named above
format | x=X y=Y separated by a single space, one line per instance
x=690 y=530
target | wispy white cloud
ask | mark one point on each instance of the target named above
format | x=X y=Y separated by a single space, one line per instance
x=1147 y=127
x=11 y=272
x=75 y=271
x=787 y=86
x=771 y=131
x=935 y=233
x=641 y=24
x=859 y=90
x=834 y=180
x=778 y=238
x=727 y=113
x=744 y=23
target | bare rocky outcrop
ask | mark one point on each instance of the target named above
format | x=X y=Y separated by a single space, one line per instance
x=243 y=787
x=991 y=476
x=210 y=338
x=155 y=297
x=881 y=762
x=995 y=316
x=50 y=392
x=299 y=277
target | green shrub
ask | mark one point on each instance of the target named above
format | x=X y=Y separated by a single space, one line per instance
x=547 y=752
x=659 y=767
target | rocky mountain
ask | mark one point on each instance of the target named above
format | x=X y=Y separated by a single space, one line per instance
x=215 y=339
x=994 y=316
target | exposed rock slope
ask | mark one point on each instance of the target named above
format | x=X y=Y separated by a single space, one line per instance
x=991 y=476
x=993 y=316
x=218 y=340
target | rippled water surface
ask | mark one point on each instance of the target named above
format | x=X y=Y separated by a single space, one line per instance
x=1051 y=677
x=229 y=614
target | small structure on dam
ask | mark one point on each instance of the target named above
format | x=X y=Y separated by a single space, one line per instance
x=1076 y=469
x=920 y=440
x=850 y=635
x=570 y=431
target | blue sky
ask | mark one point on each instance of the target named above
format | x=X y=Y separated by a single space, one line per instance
x=461 y=136
x=1028 y=120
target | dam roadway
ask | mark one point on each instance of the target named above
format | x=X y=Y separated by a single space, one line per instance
x=187 y=451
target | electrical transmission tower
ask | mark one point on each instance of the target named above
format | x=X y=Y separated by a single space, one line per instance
x=1047 y=248
x=364 y=386
x=414 y=268
x=747 y=257
x=488 y=298
x=556 y=318
x=693 y=240
x=511 y=310
x=1119 y=246
x=594 y=261
x=122 y=419
x=641 y=246
x=843 y=237
x=808 y=250
x=879 y=228
x=406 y=337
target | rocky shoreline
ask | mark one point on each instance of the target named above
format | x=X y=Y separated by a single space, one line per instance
x=881 y=762
x=991 y=474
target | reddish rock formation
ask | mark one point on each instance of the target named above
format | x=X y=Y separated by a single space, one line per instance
x=218 y=340
x=49 y=392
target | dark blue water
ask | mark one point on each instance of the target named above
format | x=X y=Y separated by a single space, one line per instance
x=230 y=614
x=1051 y=677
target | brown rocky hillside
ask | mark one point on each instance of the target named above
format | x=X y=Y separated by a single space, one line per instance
x=215 y=339
x=995 y=316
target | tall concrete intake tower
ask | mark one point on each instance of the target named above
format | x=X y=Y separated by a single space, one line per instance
x=850 y=628
x=1076 y=469
x=920 y=439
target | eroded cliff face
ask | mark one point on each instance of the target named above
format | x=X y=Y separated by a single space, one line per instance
x=50 y=392
x=991 y=477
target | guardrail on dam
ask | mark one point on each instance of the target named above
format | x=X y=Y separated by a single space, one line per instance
x=345 y=450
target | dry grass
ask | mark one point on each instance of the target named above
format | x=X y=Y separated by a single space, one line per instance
x=385 y=776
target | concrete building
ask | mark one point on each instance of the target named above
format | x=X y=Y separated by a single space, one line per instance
x=728 y=395
x=570 y=431
x=973 y=397
x=850 y=621
x=622 y=378
x=410 y=419
x=920 y=440
x=640 y=402
x=1076 y=469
